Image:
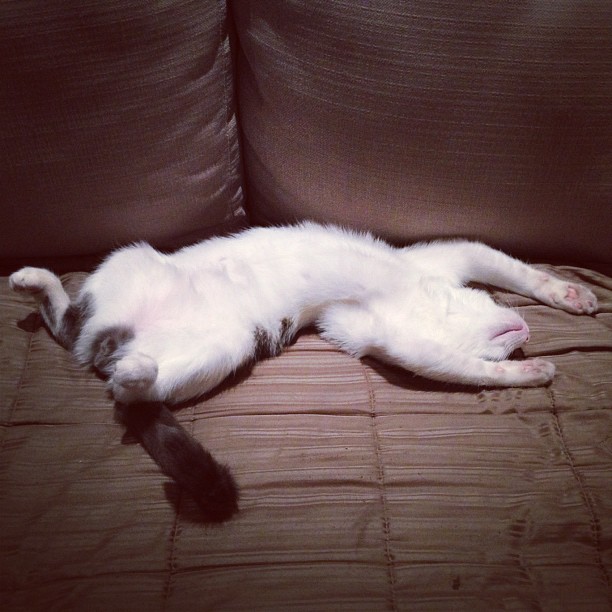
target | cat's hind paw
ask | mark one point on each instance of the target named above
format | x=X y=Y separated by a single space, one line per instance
x=571 y=297
x=133 y=376
x=32 y=281
x=136 y=371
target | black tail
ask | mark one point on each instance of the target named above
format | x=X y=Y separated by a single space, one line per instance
x=182 y=458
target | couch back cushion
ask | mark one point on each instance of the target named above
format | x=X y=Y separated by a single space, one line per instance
x=116 y=123
x=421 y=119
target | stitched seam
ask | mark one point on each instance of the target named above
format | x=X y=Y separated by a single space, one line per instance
x=594 y=522
x=229 y=100
x=227 y=70
x=172 y=565
x=382 y=489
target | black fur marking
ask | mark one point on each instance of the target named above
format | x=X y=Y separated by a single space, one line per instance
x=268 y=344
x=48 y=312
x=264 y=344
x=72 y=322
x=287 y=331
x=106 y=348
x=182 y=458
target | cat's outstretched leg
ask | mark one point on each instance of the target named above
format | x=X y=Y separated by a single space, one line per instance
x=473 y=261
x=493 y=267
x=359 y=333
x=438 y=362
x=63 y=317
x=571 y=297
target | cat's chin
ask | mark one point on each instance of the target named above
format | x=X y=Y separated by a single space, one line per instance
x=506 y=338
x=512 y=333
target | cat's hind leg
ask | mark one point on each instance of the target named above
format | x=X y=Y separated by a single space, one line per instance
x=175 y=365
x=133 y=377
x=62 y=317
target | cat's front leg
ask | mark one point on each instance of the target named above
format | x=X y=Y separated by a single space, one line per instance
x=528 y=373
x=480 y=263
x=564 y=295
x=433 y=360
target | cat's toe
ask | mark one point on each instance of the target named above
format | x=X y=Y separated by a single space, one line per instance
x=528 y=373
x=537 y=371
x=571 y=297
x=579 y=299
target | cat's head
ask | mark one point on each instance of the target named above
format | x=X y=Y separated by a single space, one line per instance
x=484 y=328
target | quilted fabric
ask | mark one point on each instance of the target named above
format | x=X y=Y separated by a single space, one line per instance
x=362 y=487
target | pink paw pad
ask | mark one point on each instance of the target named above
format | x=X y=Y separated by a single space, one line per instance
x=581 y=298
x=572 y=294
x=534 y=365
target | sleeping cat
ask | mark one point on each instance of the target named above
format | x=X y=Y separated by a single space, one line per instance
x=165 y=328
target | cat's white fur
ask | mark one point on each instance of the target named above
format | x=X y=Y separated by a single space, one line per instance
x=197 y=315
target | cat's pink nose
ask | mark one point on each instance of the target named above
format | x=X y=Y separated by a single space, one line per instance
x=513 y=328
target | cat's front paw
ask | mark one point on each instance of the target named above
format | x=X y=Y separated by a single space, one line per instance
x=571 y=297
x=32 y=281
x=528 y=373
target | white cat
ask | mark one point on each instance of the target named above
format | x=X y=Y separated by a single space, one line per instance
x=166 y=328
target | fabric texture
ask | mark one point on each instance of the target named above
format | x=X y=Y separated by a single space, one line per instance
x=117 y=123
x=426 y=119
x=362 y=486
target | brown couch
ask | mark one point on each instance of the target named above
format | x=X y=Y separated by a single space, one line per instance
x=362 y=487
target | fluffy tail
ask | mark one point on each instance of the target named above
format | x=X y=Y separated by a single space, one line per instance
x=182 y=458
